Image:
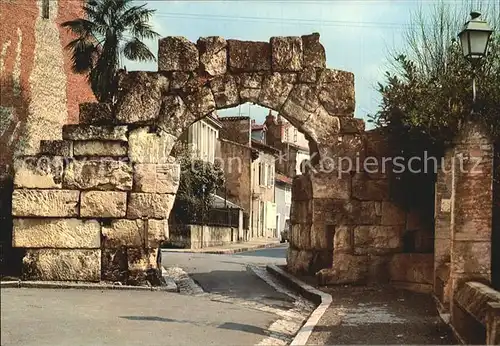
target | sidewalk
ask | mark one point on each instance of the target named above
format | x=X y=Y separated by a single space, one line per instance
x=380 y=316
x=232 y=248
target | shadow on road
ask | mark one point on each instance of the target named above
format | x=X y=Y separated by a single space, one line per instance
x=247 y=328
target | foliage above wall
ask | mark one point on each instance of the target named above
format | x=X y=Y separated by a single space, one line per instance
x=110 y=31
x=428 y=95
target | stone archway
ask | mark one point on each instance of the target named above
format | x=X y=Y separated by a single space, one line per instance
x=112 y=212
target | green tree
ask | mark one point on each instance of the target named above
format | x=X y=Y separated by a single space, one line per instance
x=198 y=183
x=111 y=30
x=427 y=94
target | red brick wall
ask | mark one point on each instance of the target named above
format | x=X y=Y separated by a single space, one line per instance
x=78 y=90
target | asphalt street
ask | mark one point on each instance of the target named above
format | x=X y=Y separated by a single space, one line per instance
x=236 y=308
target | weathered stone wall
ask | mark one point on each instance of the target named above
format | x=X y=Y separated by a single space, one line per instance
x=347 y=224
x=476 y=308
x=442 y=243
x=287 y=75
x=39 y=91
x=237 y=167
x=236 y=129
x=95 y=205
x=202 y=236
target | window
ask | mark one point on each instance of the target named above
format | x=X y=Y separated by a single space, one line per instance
x=270 y=181
x=295 y=135
x=45 y=9
x=288 y=196
x=261 y=174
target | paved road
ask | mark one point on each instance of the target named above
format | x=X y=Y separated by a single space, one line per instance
x=85 y=317
x=237 y=308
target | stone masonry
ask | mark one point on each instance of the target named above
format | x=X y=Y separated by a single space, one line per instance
x=97 y=209
x=95 y=205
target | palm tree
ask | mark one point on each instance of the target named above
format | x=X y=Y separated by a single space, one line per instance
x=111 y=30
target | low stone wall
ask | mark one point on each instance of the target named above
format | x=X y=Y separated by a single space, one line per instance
x=95 y=205
x=412 y=271
x=345 y=225
x=201 y=236
x=475 y=314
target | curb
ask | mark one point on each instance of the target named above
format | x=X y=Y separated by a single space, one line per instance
x=224 y=251
x=321 y=298
x=87 y=286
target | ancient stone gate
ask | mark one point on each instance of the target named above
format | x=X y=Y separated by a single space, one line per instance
x=94 y=205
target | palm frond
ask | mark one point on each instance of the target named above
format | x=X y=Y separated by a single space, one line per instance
x=137 y=50
x=80 y=27
x=143 y=30
x=84 y=54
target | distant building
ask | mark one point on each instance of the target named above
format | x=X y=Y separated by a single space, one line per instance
x=283 y=200
x=263 y=217
x=201 y=139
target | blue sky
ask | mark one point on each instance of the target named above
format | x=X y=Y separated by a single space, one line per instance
x=357 y=35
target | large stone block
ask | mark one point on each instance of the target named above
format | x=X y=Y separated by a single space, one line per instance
x=152 y=205
x=301 y=212
x=56 y=233
x=140 y=97
x=250 y=85
x=98 y=174
x=347 y=269
x=48 y=203
x=412 y=267
x=213 y=55
x=331 y=185
x=471 y=257
x=322 y=236
x=299 y=261
x=199 y=100
x=249 y=56
x=314 y=52
x=92 y=132
x=41 y=172
x=301 y=104
x=179 y=79
x=141 y=262
x=56 y=148
x=392 y=214
x=286 y=53
x=336 y=92
x=100 y=148
x=322 y=128
x=301 y=188
x=225 y=90
x=103 y=204
x=176 y=53
x=377 y=239
x=275 y=89
x=366 y=189
x=303 y=236
x=95 y=113
x=156 y=178
x=124 y=233
x=150 y=147
x=158 y=232
x=175 y=117
x=114 y=265
x=62 y=265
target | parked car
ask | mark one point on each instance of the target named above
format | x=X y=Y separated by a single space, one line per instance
x=285 y=233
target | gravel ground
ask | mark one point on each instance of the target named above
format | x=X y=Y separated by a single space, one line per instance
x=380 y=316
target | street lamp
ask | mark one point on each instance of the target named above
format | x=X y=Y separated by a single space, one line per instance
x=474 y=39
